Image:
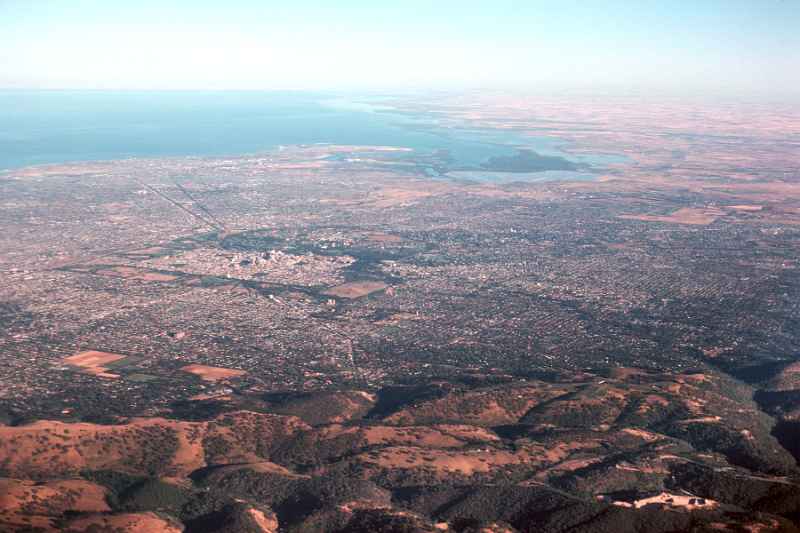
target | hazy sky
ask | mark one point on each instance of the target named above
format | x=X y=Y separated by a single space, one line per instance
x=689 y=45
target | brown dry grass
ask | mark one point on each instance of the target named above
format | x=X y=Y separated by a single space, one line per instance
x=439 y=436
x=477 y=408
x=52 y=498
x=650 y=401
x=570 y=465
x=92 y=358
x=67 y=169
x=52 y=449
x=140 y=274
x=213 y=373
x=355 y=289
x=686 y=215
x=12 y=522
x=383 y=237
x=646 y=436
x=92 y=362
x=124 y=523
x=444 y=462
x=418 y=436
x=398 y=317
x=264 y=467
x=218 y=396
x=396 y=197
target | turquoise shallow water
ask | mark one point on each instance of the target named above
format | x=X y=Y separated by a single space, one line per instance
x=39 y=127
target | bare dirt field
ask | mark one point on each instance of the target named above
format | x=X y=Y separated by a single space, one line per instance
x=213 y=373
x=672 y=500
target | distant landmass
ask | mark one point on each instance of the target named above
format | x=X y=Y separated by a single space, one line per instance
x=528 y=161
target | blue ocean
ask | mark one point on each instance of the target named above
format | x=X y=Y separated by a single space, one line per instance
x=61 y=126
x=41 y=127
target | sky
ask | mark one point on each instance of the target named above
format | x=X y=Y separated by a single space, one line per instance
x=632 y=45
